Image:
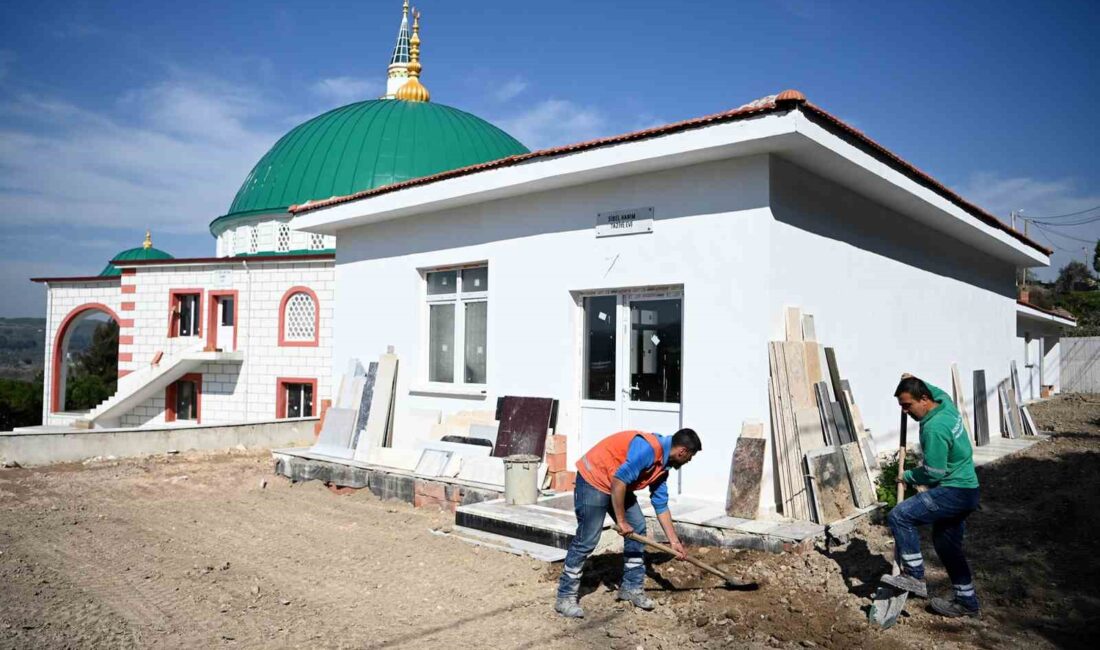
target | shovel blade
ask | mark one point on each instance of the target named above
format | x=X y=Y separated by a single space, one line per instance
x=886 y=605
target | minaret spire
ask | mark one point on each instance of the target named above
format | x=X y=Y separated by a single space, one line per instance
x=413 y=91
x=399 y=62
x=148 y=243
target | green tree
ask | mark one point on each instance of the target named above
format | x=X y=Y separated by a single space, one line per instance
x=1096 y=257
x=20 y=403
x=94 y=376
x=1071 y=276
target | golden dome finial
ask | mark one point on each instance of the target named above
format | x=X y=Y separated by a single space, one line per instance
x=148 y=243
x=413 y=91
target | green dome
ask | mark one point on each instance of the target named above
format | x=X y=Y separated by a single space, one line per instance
x=139 y=253
x=363 y=146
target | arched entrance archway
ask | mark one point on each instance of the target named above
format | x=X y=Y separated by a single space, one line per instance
x=59 y=357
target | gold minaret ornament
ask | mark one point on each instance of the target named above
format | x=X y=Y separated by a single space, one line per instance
x=413 y=91
x=148 y=243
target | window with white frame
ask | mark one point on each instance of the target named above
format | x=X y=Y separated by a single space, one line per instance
x=458 y=303
x=282 y=240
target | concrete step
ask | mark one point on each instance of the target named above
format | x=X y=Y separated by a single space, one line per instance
x=504 y=544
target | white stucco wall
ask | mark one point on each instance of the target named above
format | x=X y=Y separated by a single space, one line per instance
x=889 y=294
x=744 y=238
x=1037 y=351
x=710 y=237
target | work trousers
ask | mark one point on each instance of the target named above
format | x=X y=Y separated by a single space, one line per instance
x=946 y=508
x=591 y=505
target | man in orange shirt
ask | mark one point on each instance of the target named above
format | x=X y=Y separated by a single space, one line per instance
x=607 y=477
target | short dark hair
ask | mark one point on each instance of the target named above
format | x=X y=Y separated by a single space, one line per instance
x=688 y=439
x=916 y=388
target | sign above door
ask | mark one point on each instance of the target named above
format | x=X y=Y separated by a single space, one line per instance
x=624 y=222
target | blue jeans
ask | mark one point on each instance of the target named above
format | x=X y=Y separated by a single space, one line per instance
x=591 y=505
x=946 y=508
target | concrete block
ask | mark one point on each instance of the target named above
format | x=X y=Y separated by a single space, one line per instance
x=556 y=462
x=392 y=486
x=556 y=444
x=433 y=489
x=563 y=481
x=424 y=501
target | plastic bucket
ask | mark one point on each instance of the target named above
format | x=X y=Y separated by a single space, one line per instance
x=521 y=478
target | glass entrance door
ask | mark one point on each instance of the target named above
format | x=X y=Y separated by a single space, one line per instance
x=632 y=363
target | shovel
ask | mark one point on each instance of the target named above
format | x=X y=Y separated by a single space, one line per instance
x=887 y=603
x=731 y=582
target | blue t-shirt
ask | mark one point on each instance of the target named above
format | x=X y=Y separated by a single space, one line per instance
x=639 y=458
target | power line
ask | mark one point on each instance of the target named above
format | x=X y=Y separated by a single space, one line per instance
x=1054 y=232
x=1071 y=214
x=1066 y=224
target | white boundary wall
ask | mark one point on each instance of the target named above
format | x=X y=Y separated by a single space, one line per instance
x=1080 y=364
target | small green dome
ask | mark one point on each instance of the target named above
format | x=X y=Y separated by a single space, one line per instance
x=139 y=253
x=362 y=146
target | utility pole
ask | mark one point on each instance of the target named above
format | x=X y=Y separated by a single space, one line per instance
x=1014 y=220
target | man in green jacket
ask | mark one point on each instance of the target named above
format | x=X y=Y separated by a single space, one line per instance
x=948 y=470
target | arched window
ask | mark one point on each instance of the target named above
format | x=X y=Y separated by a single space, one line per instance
x=299 y=316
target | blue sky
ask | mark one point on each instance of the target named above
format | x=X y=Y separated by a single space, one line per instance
x=117 y=116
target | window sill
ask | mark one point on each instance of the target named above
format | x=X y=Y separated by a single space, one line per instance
x=449 y=390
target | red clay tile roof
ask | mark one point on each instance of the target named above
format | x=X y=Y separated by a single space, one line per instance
x=785 y=101
x=1059 y=312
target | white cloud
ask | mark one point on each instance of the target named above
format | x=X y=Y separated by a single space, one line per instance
x=1036 y=197
x=555 y=122
x=1040 y=198
x=174 y=165
x=346 y=89
x=510 y=89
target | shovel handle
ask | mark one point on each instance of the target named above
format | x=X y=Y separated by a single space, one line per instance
x=699 y=563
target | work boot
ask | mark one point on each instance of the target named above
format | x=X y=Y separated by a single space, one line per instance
x=569 y=607
x=953 y=608
x=637 y=598
x=907 y=583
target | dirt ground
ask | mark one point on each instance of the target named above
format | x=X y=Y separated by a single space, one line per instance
x=196 y=551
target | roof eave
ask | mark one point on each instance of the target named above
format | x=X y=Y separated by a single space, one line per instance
x=1031 y=312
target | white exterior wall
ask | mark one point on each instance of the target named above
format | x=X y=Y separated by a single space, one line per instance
x=888 y=294
x=63 y=298
x=542 y=247
x=1037 y=352
x=233 y=392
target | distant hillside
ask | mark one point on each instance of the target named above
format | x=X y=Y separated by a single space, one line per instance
x=22 y=342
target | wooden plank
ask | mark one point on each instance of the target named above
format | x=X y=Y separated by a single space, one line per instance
x=810 y=433
x=813 y=362
x=809 y=331
x=779 y=436
x=863 y=493
x=847 y=431
x=981 y=410
x=824 y=404
x=1029 y=420
x=794 y=324
x=746 y=470
x=798 y=384
x=1014 y=414
x=960 y=397
x=789 y=359
x=831 y=485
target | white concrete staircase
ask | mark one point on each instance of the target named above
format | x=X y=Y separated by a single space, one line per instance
x=140 y=385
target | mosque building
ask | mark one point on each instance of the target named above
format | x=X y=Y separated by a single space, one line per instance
x=246 y=335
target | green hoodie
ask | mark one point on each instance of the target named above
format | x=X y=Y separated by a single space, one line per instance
x=948 y=457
